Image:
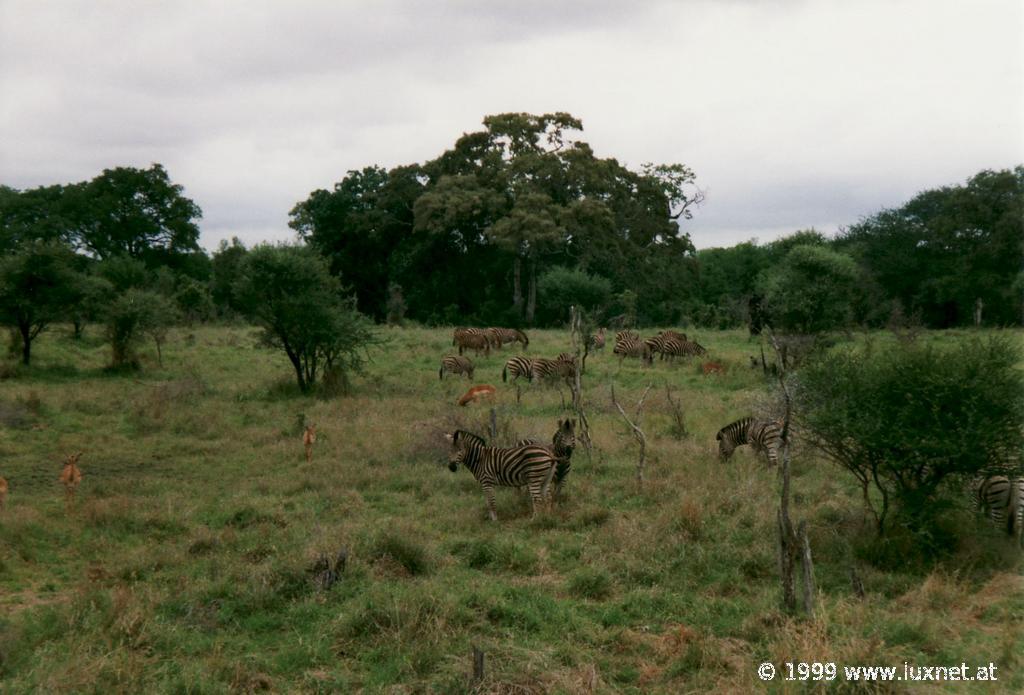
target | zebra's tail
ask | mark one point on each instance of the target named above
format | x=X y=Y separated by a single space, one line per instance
x=504 y=373
x=440 y=373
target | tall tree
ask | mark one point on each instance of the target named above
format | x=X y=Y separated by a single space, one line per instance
x=136 y=212
x=37 y=287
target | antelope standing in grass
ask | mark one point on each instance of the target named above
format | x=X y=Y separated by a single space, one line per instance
x=71 y=476
x=308 y=440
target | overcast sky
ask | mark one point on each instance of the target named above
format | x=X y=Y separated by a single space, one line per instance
x=792 y=114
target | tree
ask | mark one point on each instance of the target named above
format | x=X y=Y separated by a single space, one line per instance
x=561 y=287
x=37 y=287
x=948 y=247
x=135 y=314
x=810 y=290
x=291 y=294
x=37 y=214
x=136 y=212
x=193 y=300
x=90 y=295
x=908 y=420
x=226 y=269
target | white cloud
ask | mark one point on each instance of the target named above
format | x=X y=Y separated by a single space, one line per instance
x=793 y=114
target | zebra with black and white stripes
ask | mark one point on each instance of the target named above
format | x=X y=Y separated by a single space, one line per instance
x=673 y=347
x=562 y=367
x=762 y=436
x=632 y=347
x=1002 y=499
x=596 y=340
x=518 y=367
x=456 y=364
x=475 y=338
x=532 y=466
x=562 y=445
x=622 y=335
x=501 y=336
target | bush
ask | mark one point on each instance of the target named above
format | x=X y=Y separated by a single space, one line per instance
x=915 y=422
x=560 y=287
x=131 y=316
x=811 y=290
x=291 y=294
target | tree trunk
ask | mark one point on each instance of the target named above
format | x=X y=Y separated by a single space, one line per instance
x=517 y=287
x=531 y=301
x=26 y=345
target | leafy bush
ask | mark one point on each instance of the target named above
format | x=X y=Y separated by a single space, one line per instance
x=131 y=316
x=560 y=287
x=291 y=294
x=915 y=422
x=811 y=290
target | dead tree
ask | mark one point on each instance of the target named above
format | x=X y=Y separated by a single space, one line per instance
x=679 y=430
x=638 y=433
x=793 y=545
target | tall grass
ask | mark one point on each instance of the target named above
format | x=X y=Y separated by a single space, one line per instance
x=186 y=563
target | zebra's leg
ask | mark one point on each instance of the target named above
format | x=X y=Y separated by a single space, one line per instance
x=489 y=495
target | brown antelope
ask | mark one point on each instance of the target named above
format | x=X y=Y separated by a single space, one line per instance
x=477 y=392
x=71 y=476
x=308 y=440
x=712 y=368
x=3 y=493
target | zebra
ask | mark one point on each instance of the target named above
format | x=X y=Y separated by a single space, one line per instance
x=673 y=347
x=474 y=338
x=518 y=367
x=1002 y=499
x=761 y=435
x=596 y=340
x=632 y=347
x=673 y=334
x=562 y=446
x=532 y=466
x=456 y=364
x=563 y=366
x=656 y=345
x=508 y=335
x=622 y=335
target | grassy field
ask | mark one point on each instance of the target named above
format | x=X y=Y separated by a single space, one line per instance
x=184 y=565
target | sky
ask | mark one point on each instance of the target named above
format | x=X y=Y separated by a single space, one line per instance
x=792 y=113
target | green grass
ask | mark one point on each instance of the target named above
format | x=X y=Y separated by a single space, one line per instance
x=185 y=564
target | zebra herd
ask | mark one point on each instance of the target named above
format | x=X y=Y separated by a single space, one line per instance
x=538 y=467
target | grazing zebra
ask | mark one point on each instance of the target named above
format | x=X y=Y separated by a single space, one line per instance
x=762 y=436
x=474 y=338
x=518 y=367
x=622 y=335
x=632 y=347
x=656 y=345
x=1002 y=499
x=508 y=335
x=596 y=340
x=562 y=446
x=456 y=364
x=673 y=347
x=563 y=366
x=532 y=466
x=673 y=334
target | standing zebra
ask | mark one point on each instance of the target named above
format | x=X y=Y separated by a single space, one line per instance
x=596 y=340
x=508 y=335
x=518 y=367
x=632 y=347
x=673 y=347
x=456 y=364
x=562 y=446
x=761 y=435
x=622 y=335
x=532 y=466
x=474 y=338
x=1002 y=499
x=563 y=366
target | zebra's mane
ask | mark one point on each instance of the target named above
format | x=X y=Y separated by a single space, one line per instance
x=461 y=435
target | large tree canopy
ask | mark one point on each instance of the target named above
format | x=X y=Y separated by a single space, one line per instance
x=136 y=212
x=468 y=233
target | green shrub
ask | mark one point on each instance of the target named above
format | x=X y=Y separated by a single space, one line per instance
x=914 y=423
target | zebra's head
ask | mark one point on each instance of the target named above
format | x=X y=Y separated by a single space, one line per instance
x=725 y=445
x=565 y=438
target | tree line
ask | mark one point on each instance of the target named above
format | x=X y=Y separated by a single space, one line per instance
x=510 y=226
